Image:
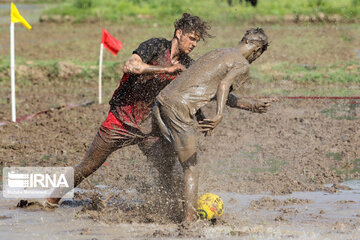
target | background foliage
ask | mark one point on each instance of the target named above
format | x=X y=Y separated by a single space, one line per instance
x=214 y=10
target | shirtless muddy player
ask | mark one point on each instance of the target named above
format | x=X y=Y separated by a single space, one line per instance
x=213 y=76
x=153 y=65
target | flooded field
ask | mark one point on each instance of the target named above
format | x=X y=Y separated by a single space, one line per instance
x=272 y=153
x=300 y=215
x=282 y=175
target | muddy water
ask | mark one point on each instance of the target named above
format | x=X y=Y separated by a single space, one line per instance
x=322 y=216
x=300 y=215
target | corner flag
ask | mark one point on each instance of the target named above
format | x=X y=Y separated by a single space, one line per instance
x=111 y=43
x=16 y=17
x=114 y=46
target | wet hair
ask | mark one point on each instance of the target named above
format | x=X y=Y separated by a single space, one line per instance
x=256 y=35
x=189 y=23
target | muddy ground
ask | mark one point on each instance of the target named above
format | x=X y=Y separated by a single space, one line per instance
x=299 y=145
x=296 y=146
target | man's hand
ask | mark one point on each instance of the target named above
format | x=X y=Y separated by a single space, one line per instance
x=136 y=66
x=261 y=105
x=208 y=125
x=253 y=105
x=177 y=67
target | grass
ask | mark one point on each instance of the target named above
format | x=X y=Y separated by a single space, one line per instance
x=140 y=11
x=301 y=60
x=253 y=154
x=338 y=79
x=349 y=167
x=335 y=156
x=305 y=80
x=314 y=90
x=51 y=67
x=343 y=111
x=273 y=166
x=1 y=176
x=339 y=73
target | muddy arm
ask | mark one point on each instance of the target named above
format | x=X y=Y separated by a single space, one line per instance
x=257 y=106
x=207 y=125
x=136 y=66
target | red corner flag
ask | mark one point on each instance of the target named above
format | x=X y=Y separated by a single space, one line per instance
x=111 y=43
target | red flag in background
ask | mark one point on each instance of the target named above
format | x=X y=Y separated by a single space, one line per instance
x=111 y=43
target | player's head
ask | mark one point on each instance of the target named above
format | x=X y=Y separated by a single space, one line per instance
x=256 y=41
x=189 y=30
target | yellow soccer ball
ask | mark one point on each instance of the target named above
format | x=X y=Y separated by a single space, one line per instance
x=209 y=206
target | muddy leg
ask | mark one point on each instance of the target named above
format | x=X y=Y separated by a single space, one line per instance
x=182 y=136
x=163 y=157
x=166 y=166
x=160 y=153
x=191 y=182
x=94 y=158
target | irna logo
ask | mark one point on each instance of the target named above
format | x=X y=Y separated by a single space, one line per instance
x=38 y=182
x=26 y=180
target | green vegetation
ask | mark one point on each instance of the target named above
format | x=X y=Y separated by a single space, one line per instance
x=339 y=73
x=140 y=11
x=46 y=157
x=333 y=80
x=51 y=69
x=273 y=166
x=346 y=167
x=335 y=156
x=349 y=167
x=253 y=154
x=341 y=111
x=40 y=1
x=313 y=90
x=1 y=177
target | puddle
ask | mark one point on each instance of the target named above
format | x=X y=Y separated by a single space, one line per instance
x=353 y=184
x=309 y=215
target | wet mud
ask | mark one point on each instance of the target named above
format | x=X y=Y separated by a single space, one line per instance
x=297 y=146
x=308 y=215
x=267 y=160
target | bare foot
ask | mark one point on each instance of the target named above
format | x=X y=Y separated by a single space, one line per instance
x=41 y=204
x=53 y=200
x=190 y=218
x=192 y=229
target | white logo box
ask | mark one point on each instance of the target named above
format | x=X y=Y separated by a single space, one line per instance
x=38 y=182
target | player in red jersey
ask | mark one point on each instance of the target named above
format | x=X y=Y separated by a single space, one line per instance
x=153 y=65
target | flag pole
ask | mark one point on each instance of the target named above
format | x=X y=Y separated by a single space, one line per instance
x=12 y=71
x=100 y=71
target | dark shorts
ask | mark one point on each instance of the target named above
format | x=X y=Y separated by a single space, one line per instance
x=179 y=127
x=113 y=130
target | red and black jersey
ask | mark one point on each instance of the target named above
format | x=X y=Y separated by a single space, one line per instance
x=133 y=100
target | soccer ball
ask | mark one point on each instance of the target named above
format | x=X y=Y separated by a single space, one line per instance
x=209 y=206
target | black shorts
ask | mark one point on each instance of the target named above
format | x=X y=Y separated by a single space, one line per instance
x=179 y=127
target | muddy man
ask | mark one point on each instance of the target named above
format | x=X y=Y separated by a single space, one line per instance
x=213 y=76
